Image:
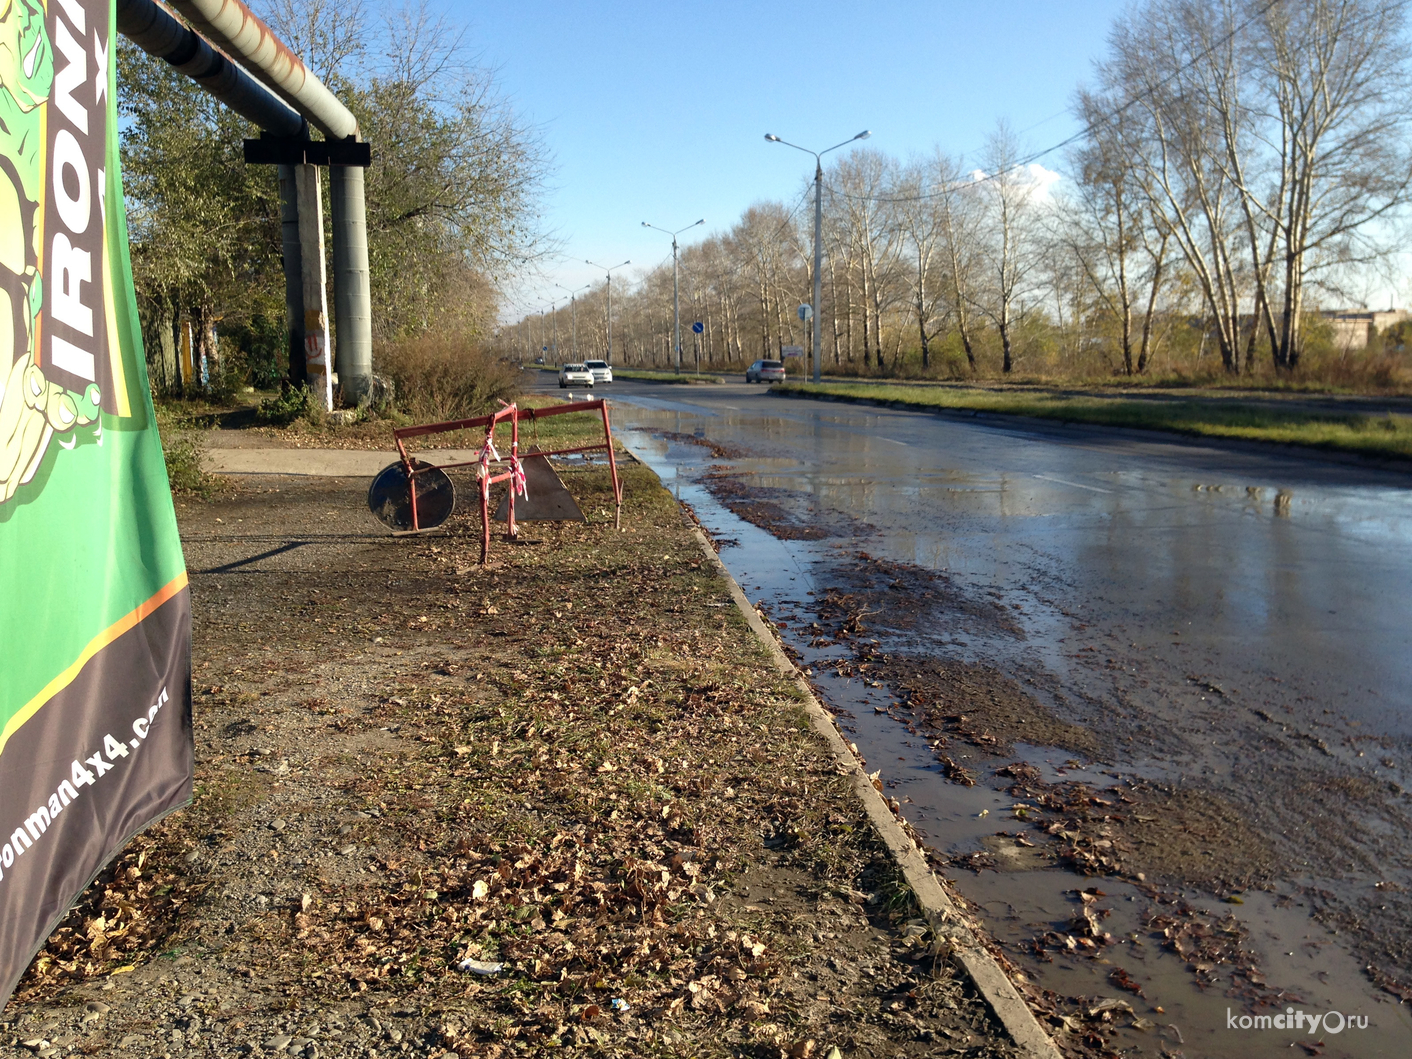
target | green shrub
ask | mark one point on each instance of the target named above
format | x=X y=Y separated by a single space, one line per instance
x=285 y=407
x=264 y=350
x=182 y=449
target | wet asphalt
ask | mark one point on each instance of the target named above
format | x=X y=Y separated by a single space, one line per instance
x=1281 y=579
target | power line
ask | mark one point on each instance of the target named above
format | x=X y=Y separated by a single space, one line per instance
x=1087 y=129
x=734 y=270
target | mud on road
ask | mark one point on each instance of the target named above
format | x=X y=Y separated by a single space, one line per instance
x=575 y=772
x=1296 y=811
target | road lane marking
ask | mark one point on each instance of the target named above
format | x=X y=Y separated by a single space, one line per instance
x=891 y=442
x=1076 y=485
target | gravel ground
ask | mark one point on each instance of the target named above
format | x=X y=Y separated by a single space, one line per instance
x=575 y=771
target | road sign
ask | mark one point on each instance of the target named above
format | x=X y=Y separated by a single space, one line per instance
x=698 y=327
x=792 y=351
x=805 y=312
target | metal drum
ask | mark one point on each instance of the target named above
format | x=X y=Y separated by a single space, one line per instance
x=390 y=500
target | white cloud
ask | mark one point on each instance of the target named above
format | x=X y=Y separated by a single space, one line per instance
x=1037 y=177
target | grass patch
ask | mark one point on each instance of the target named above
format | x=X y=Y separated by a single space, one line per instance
x=1381 y=435
x=182 y=449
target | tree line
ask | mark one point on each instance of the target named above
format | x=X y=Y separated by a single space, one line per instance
x=452 y=192
x=1240 y=165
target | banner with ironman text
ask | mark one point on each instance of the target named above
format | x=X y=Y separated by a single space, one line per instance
x=95 y=617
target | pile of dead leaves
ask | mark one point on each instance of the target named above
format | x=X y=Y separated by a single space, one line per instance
x=131 y=909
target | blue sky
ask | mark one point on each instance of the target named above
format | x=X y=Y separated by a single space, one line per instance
x=657 y=111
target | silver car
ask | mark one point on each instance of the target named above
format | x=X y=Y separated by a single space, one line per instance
x=765 y=371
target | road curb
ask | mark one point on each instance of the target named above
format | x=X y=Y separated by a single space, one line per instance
x=946 y=920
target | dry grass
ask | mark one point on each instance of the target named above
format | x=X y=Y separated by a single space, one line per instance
x=444 y=376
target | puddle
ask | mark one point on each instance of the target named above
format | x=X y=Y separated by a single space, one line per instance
x=1029 y=896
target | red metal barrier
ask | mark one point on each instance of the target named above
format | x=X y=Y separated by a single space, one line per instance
x=488 y=455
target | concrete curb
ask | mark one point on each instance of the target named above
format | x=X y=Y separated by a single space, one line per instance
x=946 y=920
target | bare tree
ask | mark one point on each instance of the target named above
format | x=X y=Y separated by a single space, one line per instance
x=1008 y=191
x=1111 y=236
x=1336 y=73
x=1170 y=59
x=859 y=192
x=1272 y=145
x=921 y=226
x=956 y=200
x=330 y=36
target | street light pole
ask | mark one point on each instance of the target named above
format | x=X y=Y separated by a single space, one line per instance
x=609 y=271
x=676 y=309
x=818 y=234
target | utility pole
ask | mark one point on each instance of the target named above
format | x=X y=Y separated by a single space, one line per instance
x=676 y=310
x=818 y=233
x=818 y=263
x=609 y=271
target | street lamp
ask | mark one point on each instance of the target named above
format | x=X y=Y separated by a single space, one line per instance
x=543 y=338
x=676 y=314
x=573 y=316
x=818 y=228
x=610 y=301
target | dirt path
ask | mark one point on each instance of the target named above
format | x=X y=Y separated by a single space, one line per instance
x=575 y=772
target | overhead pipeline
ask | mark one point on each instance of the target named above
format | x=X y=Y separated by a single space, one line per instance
x=156 y=32
x=232 y=25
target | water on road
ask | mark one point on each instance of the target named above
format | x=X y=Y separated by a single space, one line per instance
x=1224 y=619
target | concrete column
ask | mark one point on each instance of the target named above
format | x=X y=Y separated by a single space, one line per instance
x=352 y=293
x=317 y=368
x=293 y=272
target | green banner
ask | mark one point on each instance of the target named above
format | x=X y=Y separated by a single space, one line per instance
x=95 y=675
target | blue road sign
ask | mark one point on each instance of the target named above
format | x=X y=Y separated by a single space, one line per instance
x=698 y=327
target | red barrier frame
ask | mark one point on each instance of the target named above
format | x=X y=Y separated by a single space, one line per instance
x=513 y=414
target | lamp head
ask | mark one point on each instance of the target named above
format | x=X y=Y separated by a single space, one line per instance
x=702 y=221
x=863 y=135
x=772 y=137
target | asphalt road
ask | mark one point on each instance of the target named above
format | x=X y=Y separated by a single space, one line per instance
x=1217 y=583
x=1273 y=565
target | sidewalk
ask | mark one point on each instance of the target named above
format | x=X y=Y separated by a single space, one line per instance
x=445 y=811
x=319 y=463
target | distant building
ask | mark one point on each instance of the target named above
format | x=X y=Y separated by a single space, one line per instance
x=1353 y=327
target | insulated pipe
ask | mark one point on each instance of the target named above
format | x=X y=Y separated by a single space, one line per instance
x=234 y=26
x=352 y=292
x=160 y=35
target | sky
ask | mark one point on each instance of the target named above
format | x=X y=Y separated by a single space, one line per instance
x=657 y=111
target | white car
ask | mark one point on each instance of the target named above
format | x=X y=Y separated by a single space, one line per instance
x=575 y=375
x=601 y=371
